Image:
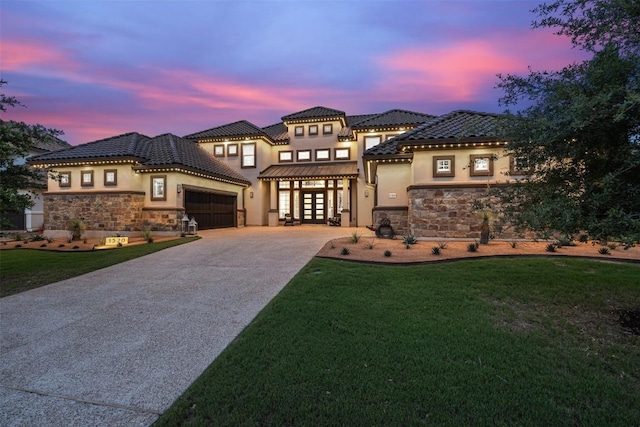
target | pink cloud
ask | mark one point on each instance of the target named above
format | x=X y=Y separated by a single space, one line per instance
x=456 y=73
x=464 y=71
x=24 y=55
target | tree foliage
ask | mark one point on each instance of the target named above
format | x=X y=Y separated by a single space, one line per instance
x=580 y=138
x=17 y=139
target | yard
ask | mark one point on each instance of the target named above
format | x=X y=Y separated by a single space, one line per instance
x=526 y=341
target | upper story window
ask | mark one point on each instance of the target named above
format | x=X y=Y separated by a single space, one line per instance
x=371 y=141
x=341 y=154
x=303 y=155
x=249 y=155
x=285 y=156
x=218 y=150
x=327 y=129
x=299 y=131
x=232 y=150
x=323 y=154
x=313 y=129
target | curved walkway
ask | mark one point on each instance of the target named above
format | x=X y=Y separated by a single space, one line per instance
x=117 y=346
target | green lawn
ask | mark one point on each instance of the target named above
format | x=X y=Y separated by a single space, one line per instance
x=25 y=269
x=494 y=342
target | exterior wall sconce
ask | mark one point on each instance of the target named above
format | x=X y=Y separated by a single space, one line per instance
x=366 y=193
x=179 y=188
x=251 y=194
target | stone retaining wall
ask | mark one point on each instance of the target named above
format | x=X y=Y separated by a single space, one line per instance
x=154 y=219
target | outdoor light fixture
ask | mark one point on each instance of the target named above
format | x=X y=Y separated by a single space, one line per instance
x=179 y=188
x=193 y=226
x=366 y=193
x=251 y=194
x=185 y=223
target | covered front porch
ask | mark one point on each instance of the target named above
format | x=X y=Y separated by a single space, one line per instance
x=310 y=194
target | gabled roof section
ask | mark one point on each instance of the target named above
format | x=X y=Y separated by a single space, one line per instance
x=130 y=145
x=393 y=119
x=278 y=133
x=238 y=130
x=171 y=150
x=315 y=114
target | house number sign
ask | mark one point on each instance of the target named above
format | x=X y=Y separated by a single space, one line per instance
x=113 y=241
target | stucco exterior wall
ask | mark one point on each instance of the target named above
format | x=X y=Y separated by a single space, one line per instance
x=422 y=166
x=393 y=180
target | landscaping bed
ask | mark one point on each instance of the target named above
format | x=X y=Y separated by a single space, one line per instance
x=372 y=249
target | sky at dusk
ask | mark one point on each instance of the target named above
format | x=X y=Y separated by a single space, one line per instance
x=96 y=68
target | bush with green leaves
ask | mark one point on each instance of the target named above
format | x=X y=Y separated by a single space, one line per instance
x=345 y=251
x=387 y=253
x=435 y=250
x=355 y=237
x=473 y=247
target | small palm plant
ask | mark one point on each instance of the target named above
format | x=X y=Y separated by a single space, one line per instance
x=76 y=228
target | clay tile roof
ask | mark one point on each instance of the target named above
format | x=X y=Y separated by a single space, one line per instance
x=352 y=120
x=314 y=113
x=128 y=145
x=277 y=132
x=455 y=125
x=461 y=124
x=169 y=150
x=52 y=143
x=150 y=153
x=393 y=118
x=240 y=129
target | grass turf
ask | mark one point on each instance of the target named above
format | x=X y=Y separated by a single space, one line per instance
x=484 y=342
x=25 y=269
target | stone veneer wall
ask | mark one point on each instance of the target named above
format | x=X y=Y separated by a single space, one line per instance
x=108 y=211
x=155 y=219
x=241 y=217
x=444 y=211
x=397 y=215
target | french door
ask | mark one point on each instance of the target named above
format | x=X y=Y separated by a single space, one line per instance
x=313 y=207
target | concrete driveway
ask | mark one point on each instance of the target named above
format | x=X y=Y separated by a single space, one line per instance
x=117 y=346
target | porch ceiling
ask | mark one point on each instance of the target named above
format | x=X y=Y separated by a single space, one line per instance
x=310 y=171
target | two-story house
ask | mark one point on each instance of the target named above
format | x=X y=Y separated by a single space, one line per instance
x=420 y=171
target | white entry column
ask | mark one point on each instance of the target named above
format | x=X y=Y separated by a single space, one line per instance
x=273 y=203
x=345 y=216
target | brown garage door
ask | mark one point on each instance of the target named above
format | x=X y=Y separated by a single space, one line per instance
x=211 y=210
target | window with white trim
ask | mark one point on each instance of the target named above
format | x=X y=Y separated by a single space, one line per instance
x=249 y=155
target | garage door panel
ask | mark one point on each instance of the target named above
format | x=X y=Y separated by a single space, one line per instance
x=211 y=210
